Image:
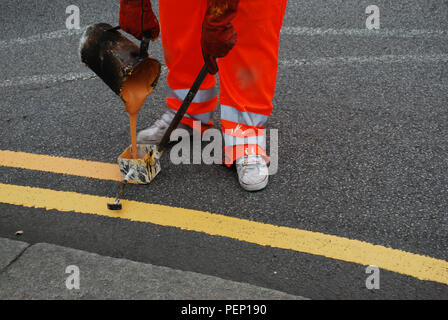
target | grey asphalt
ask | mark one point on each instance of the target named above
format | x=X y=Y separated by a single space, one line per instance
x=40 y=271
x=363 y=149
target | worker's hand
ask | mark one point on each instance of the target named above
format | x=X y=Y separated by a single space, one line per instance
x=218 y=32
x=137 y=18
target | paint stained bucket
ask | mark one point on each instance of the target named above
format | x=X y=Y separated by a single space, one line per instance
x=143 y=169
x=113 y=57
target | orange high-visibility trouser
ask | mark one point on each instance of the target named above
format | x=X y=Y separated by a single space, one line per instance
x=247 y=74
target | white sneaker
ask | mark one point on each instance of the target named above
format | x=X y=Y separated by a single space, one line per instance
x=154 y=134
x=252 y=172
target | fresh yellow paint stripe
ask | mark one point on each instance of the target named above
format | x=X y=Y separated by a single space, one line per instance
x=418 y=266
x=75 y=167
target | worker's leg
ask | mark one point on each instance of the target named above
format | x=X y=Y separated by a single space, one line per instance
x=181 y=27
x=248 y=76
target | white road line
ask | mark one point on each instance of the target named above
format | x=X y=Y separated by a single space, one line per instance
x=436 y=58
x=53 y=78
x=331 y=61
x=297 y=31
x=46 y=79
x=42 y=36
x=398 y=33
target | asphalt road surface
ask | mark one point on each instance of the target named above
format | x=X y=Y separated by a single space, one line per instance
x=363 y=148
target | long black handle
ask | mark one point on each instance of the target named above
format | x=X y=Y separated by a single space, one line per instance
x=183 y=108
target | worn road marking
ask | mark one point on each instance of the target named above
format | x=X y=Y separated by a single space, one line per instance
x=46 y=79
x=397 y=33
x=355 y=251
x=286 y=30
x=41 y=36
x=75 y=167
x=330 y=61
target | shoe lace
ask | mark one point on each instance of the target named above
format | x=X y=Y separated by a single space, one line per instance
x=250 y=161
x=253 y=165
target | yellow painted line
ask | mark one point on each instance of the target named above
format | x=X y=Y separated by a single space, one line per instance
x=355 y=251
x=75 y=167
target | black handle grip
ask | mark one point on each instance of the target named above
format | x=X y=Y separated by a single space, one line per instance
x=144 y=47
x=144 y=44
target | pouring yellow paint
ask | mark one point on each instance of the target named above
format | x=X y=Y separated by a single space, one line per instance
x=136 y=88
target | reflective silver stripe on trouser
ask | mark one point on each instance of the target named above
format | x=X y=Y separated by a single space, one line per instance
x=203 y=117
x=235 y=141
x=201 y=97
x=246 y=118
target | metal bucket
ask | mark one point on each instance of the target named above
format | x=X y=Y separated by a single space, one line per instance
x=113 y=57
